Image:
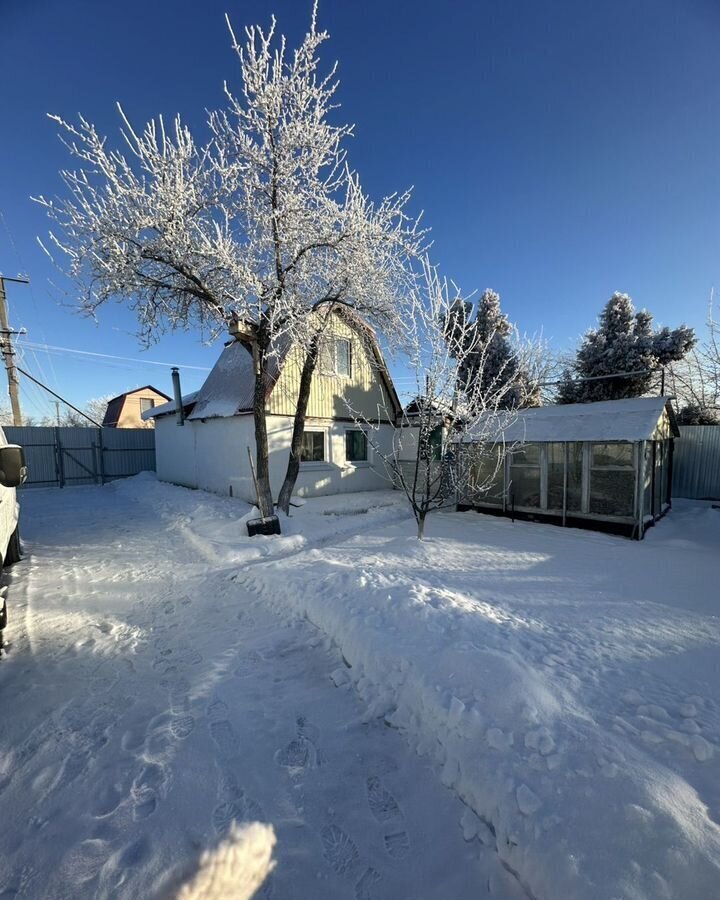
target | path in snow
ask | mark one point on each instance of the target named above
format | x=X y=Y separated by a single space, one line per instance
x=148 y=700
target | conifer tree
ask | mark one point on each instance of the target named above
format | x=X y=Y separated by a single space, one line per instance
x=623 y=342
x=488 y=352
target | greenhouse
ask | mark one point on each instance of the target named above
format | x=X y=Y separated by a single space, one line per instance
x=605 y=465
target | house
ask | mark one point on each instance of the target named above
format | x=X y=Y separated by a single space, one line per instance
x=126 y=410
x=351 y=383
x=604 y=465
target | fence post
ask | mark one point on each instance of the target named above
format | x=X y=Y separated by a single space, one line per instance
x=59 y=457
x=101 y=456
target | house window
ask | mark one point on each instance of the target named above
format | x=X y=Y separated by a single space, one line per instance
x=146 y=403
x=612 y=479
x=356 y=446
x=343 y=360
x=313 y=446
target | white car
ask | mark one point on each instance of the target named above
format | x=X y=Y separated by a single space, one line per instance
x=12 y=474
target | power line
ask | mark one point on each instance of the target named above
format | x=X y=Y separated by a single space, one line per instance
x=34 y=345
x=66 y=402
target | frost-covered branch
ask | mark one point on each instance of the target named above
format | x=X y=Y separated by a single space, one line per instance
x=258 y=223
x=423 y=457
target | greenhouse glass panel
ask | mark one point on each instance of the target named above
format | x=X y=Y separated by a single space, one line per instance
x=487 y=475
x=612 y=492
x=526 y=455
x=525 y=486
x=555 y=476
x=612 y=455
x=647 y=488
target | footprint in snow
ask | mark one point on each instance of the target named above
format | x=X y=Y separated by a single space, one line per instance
x=382 y=804
x=225 y=814
x=224 y=736
x=217 y=709
x=144 y=804
x=179 y=702
x=145 y=790
x=338 y=849
x=182 y=726
x=365 y=888
x=295 y=756
x=397 y=844
x=248 y=664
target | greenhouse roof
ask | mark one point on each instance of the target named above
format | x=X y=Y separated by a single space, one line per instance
x=636 y=419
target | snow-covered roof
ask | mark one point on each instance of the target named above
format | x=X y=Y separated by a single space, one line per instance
x=635 y=419
x=169 y=407
x=228 y=389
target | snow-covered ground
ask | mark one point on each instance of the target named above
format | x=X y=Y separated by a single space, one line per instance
x=148 y=699
x=168 y=675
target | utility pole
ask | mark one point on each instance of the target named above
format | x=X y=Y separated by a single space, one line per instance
x=8 y=353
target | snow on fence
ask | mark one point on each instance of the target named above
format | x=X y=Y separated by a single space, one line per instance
x=696 y=464
x=57 y=457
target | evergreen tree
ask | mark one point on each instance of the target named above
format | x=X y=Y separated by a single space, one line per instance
x=489 y=355
x=624 y=341
x=692 y=414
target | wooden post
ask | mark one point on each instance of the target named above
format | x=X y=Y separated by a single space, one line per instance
x=8 y=354
x=565 y=481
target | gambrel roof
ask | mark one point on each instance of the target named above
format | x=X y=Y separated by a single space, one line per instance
x=228 y=389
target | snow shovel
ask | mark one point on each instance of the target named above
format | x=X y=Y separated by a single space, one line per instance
x=263 y=524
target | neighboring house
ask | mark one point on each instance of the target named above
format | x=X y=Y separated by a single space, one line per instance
x=351 y=382
x=126 y=410
x=605 y=465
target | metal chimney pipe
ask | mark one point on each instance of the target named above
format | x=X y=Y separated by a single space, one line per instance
x=179 y=414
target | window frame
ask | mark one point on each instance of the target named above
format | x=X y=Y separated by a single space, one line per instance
x=631 y=468
x=337 y=342
x=315 y=462
x=142 y=400
x=540 y=466
x=356 y=463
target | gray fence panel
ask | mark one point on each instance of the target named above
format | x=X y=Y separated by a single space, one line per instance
x=127 y=451
x=75 y=456
x=696 y=463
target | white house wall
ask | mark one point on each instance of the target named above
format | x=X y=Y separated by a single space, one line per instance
x=175 y=452
x=212 y=455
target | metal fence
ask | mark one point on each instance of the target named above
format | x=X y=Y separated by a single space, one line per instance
x=57 y=457
x=696 y=463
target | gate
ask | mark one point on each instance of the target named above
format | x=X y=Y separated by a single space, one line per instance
x=57 y=457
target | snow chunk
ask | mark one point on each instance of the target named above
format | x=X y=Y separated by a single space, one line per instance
x=498 y=740
x=470 y=824
x=540 y=740
x=528 y=802
x=702 y=749
x=340 y=677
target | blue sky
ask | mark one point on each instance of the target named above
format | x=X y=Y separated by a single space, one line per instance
x=560 y=150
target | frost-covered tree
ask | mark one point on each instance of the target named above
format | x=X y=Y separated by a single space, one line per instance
x=624 y=345
x=263 y=222
x=694 y=381
x=439 y=347
x=490 y=354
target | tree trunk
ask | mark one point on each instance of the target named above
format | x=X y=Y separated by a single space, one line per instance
x=293 y=467
x=421 y=524
x=261 y=439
